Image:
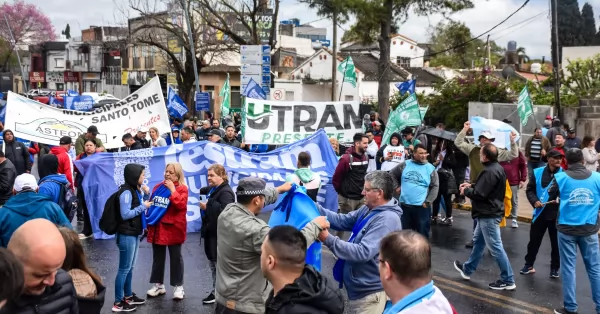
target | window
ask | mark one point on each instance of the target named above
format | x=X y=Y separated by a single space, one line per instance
x=348 y=98
x=403 y=62
x=60 y=62
x=289 y=95
x=236 y=99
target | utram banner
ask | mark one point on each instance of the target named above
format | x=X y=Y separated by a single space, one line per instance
x=277 y=122
x=103 y=172
x=36 y=122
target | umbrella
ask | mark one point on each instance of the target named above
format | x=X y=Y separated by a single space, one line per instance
x=440 y=134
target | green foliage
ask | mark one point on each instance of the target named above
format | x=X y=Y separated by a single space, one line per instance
x=569 y=25
x=67 y=31
x=450 y=34
x=588 y=25
x=583 y=80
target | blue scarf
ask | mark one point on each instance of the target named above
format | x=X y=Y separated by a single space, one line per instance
x=338 y=268
x=160 y=203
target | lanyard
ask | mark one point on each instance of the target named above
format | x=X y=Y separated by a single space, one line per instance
x=210 y=192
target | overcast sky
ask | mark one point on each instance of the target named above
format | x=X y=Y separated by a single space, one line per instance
x=530 y=28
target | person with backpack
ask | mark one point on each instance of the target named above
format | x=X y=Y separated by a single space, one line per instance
x=57 y=187
x=167 y=228
x=90 y=148
x=124 y=217
x=303 y=176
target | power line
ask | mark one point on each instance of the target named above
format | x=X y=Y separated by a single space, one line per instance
x=519 y=25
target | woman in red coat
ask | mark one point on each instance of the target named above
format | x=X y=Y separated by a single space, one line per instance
x=167 y=227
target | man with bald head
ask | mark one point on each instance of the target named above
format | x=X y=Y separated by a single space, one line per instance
x=40 y=248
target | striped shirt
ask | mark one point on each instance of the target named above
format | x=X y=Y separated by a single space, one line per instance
x=535 y=153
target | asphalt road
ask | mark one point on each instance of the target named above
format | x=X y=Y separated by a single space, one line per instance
x=534 y=294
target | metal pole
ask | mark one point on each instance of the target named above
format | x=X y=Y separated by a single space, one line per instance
x=334 y=58
x=344 y=78
x=193 y=50
x=555 y=58
x=18 y=57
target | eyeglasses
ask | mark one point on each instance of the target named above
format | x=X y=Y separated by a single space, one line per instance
x=371 y=189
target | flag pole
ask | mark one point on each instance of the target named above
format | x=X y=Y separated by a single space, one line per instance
x=342 y=84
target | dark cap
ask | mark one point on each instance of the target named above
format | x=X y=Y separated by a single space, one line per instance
x=251 y=186
x=173 y=130
x=571 y=130
x=214 y=132
x=93 y=129
x=407 y=130
x=65 y=140
x=553 y=153
x=574 y=156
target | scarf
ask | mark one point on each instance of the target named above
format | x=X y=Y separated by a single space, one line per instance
x=160 y=204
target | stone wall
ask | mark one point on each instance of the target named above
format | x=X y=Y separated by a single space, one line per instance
x=588 y=122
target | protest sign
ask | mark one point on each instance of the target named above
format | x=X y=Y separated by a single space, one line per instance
x=277 y=122
x=34 y=121
x=79 y=103
x=103 y=172
x=500 y=131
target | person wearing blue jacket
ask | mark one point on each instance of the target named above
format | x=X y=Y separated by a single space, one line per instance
x=357 y=267
x=27 y=205
x=51 y=184
x=578 y=225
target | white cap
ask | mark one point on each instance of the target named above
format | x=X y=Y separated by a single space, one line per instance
x=488 y=135
x=25 y=181
x=143 y=129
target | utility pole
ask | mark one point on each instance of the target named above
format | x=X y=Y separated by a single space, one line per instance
x=555 y=58
x=489 y=53
x=193 y=51
x=14 y=43
x=334 y=59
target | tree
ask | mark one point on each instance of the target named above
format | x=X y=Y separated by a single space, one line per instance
x=583 y=80
x=588 y=25
x=28 y=24
x=569 y=26
x=381 y=15
x=523 y=57
x=67 y=31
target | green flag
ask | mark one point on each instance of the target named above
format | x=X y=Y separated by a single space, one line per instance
x=348 y=70
x=408 y=113
x=524 y=106
x=225 y=94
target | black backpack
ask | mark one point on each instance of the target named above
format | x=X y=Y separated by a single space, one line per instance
x=67 y=200
x=111 y=217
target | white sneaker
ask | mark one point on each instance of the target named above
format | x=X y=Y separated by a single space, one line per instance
x=178 y=293
x=156 y=290
x=515 y=224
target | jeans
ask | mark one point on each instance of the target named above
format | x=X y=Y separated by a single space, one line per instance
x=445 y=199
x=514 y=201
x=533 y=165
x=416 y=218
x=159 y=254
x=568 y=258
x=128 y=251
x=487 y=233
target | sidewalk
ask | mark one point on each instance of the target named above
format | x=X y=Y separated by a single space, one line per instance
x=525 y=212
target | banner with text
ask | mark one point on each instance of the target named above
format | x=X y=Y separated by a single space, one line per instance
x=278 y=122
x=34 y=121
x=103 y=172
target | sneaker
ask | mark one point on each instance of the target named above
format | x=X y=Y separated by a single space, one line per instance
x=469 y=244
x=83 y=236
x=563 y=311
x=156 y=290
x=501 y=285
x=434 y=220
x=459 y=266
x=526 y=270
x=133 y=299
x=515 y=224
x=554 y=273
x=178 y=293
x=210 y=299
x=446 y=222
x=123 y=307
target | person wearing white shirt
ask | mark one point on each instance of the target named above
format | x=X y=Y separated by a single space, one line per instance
x=188 y=135
x=371 y=151
x=389 y=156
x=589 y=153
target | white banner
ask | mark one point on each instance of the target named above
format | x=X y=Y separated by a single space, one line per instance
x=34 y=121
x=283 y=122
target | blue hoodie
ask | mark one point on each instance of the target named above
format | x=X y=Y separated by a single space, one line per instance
x=27 y=206
x=51 y=188
x=361 y=270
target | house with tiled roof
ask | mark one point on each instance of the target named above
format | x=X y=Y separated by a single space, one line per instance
x=404 y=51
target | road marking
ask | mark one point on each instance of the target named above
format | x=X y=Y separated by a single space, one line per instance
x=486 y=300
x=536 y=308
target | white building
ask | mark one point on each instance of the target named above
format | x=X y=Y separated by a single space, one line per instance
x=56 y=64
x=404 y=51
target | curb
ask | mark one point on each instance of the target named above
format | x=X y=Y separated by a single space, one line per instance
x=467 y=207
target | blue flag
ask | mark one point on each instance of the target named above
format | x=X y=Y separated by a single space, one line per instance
x=254 y=91
x=72 y=93
x=55 y=102
x=103 y=172
x=79 y=103
x=175 y=105
x=408 y=86
x=2 y=113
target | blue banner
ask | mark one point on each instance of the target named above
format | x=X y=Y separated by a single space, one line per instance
x=79 y=103
x=72 y=93
x=254 y=91
x=55 y=102
x=103 y=172
x=175 y=105
x=2 y=113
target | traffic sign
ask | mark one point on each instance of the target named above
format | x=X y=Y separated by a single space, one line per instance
x=266 y=89
x=251 y=69
x=266 y=50
x=246 y=79
x=202 y=101
x=254 y=59
x=266 y=79
x=266 y=60
x=266 y=69
x=251 y=49
x=278 y=94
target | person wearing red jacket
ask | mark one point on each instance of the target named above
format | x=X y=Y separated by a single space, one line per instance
x=516 y=174
x=167 y=227
x=65 y=164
